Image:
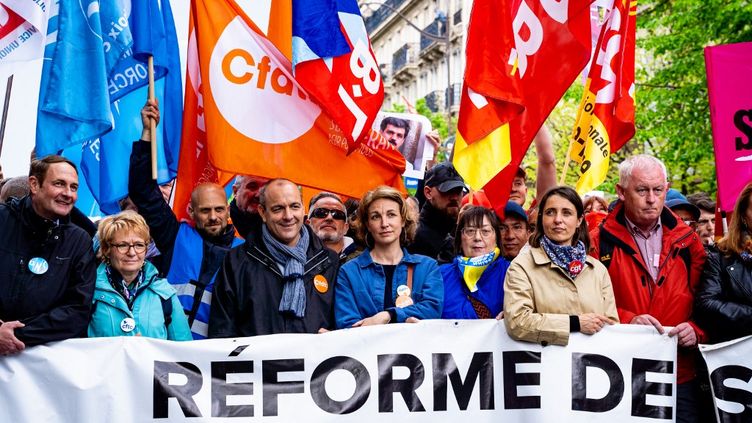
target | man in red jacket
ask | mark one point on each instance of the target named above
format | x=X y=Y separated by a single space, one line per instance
x=655 y=261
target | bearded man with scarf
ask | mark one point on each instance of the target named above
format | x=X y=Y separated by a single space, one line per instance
x=279 y=282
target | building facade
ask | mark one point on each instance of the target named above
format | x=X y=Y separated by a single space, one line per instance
x=414 y=64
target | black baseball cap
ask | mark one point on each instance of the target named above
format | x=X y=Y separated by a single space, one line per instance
x=444 y=177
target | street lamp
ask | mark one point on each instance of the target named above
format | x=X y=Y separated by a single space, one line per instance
x=444 y=18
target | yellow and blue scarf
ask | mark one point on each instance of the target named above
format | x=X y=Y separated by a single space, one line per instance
x=472 y=267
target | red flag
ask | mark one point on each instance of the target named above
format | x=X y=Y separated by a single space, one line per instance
x=521 y=58
x=605 y=120
x=334 y=62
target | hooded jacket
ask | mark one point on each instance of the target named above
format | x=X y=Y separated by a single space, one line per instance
x=110 y=309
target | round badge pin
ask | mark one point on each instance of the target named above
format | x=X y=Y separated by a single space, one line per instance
x=127 y=325
x=403 y=291
x=575 y=267
x=403 y=301
x=320 y=283
x=38 y=266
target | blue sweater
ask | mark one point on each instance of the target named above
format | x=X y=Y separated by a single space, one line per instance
x=490 y=290
x=360 y=289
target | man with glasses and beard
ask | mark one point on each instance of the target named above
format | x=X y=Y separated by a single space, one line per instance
x=327 y=216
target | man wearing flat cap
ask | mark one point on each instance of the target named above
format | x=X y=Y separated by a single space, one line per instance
x=438 y=218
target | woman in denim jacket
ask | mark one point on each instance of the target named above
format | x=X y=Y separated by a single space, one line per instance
x=385 y=283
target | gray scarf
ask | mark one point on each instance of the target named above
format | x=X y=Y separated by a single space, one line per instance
x=293 y=259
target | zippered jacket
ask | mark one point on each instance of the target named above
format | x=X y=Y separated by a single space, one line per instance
x=670 y=297
x=53 y=303
x=249 y=286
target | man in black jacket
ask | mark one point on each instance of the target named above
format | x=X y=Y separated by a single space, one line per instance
x=190 y=254
x=47 y=266
x=281 y=280
x=438 y=218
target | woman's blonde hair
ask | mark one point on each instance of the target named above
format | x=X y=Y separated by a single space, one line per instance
x=386 y=193
x=739 y=230
x=124 y=221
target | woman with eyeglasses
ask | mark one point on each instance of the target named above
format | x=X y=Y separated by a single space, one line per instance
x=129 y=297
x=474 y=280
x=385 y=283
x=554 y=288
x=723 y=304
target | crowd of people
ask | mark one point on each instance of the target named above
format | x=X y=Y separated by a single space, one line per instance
x=562 y=266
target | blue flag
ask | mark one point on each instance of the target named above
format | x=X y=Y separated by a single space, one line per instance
x=131 y=31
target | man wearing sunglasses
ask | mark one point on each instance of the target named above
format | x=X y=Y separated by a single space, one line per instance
x=327 y=216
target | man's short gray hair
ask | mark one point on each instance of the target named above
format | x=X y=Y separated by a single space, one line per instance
x=640 y=161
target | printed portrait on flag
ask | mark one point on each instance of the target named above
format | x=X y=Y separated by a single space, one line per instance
x=407 y=133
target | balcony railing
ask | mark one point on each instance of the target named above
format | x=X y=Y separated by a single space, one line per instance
x=381 y=14
x=437 y=28
x=452 y=96
x=403 y=57
x=434 y=100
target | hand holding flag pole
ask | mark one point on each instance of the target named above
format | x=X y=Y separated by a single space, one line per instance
x=152 y=121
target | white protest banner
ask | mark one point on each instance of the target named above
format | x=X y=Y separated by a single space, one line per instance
x=432 y=371
x=730 y=369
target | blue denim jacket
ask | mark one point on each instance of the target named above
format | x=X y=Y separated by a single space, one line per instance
x=360 y=289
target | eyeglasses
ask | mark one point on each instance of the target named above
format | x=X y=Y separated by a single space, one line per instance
x=485 y=232
x=321 y=213
x=138 y=247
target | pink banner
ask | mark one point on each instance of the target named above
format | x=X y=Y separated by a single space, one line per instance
x=730 y=93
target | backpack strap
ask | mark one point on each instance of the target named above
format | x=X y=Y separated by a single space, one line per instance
x=167 y=311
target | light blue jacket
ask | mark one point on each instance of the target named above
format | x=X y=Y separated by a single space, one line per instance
x=111 y=308
x=360 y=289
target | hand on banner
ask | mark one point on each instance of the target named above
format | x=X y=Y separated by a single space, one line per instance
x=591 y=323
x=412 y=320
x=9 y=344
x=500 y=315
x=380 y=318
x=323 y=330
x=646 y=319
x=685 y=333
x=149 y=112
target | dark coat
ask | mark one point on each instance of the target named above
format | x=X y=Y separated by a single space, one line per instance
x=434 y=235
x=54 y=305
x=723 y=305
x=249 y=288
x=163 y=225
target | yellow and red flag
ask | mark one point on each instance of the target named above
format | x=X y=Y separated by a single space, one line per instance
x=246 y=114
x=521 y=58
x=605 y=120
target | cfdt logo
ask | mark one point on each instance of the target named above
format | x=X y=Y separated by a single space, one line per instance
x=253 y=93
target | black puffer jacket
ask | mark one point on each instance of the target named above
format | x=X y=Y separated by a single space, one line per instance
x=724 y=299
x=53 y=305
x=249 y=287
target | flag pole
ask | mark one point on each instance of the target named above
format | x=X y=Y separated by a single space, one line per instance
x=8 y=87
x=567 y=159
x=152 y=122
